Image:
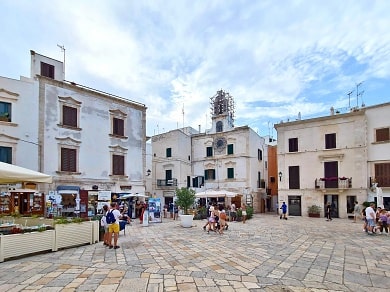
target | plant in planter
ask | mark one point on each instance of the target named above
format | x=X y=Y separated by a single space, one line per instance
x=314 y=211
x=185 y=199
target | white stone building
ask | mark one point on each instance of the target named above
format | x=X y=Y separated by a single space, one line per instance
x=223 y=157
x=333 y=159
x=88 y=140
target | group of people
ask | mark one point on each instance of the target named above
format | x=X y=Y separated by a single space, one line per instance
x=218 y=216
x=111 y=230
x=376 y=221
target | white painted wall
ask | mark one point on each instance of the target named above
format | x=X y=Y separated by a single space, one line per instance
x=22 y=132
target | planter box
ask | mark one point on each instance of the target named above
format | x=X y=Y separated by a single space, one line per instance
x=186 y=220
x=63 y=236
x=95 y=230
x=73 y=234
x=314 y=215
x=15 y=245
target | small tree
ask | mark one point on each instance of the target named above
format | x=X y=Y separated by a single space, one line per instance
x=185 y=199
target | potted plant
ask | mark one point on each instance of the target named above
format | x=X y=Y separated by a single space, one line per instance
x=185 y=199
x=314 y=211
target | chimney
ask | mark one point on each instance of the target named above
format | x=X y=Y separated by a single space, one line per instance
x=332 y=111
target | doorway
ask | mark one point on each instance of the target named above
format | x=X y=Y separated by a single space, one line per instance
x=294 y=206
x=334 y=202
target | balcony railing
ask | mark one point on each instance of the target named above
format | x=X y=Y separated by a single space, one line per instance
x=167 y=182
x=333 y=183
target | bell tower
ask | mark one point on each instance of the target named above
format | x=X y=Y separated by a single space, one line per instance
x=222 y=112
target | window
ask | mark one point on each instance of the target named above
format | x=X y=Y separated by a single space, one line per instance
x=168 y=176
x=6 y=154
x=118 y=165
x=330 y=141
x=331 y=172
x=47 y=70
x=69 y=116
x=293 y=177
x=230 y=149
x=209 y=151
x=293 y=145
x=5 y=111
x=209 y=174
x=382 y=135
x=169 y=152
x=230 y=172
x=382 y=174
x=219 y=127
x=259 y=179
x=118 y=127
x=259 y=155
x=68 y=159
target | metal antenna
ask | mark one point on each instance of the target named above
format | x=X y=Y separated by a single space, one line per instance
x=62 y=50
x=361 y=97
x=183 y=115
x=357 y=93
x=349 y=98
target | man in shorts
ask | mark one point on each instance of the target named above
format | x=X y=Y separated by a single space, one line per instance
x=370 y=216
x=114 y=228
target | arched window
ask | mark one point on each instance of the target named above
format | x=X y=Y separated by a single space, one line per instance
x=219 y=126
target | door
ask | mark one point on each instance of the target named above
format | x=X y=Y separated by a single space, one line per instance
x=331 y=174
x=294 y=206
x=334 y=202
x=24 y=203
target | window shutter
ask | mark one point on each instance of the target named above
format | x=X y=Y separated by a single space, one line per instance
x=68 y=159
x=118 y=127
x=118 y=165
x=69 y=116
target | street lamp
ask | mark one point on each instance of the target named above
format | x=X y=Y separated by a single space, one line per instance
x=280 y=176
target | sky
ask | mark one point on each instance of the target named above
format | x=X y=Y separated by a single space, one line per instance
x=279 y=59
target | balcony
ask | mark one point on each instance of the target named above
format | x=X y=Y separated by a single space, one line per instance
x=333 y=183
x=167 y=183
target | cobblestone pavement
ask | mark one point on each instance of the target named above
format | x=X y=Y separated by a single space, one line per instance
x=264 y=254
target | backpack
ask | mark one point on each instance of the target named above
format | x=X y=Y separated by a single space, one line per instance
x=110 y=218
x=222 y=215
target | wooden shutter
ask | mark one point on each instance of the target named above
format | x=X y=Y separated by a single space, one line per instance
x=69 y=116
x=293 y=177
x=118 y=165
x=68 y=159
x=118 y=127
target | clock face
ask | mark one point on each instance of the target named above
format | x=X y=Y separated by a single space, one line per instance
x=220 y=143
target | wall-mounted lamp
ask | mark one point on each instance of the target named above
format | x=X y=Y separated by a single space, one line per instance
x=148 y=172
x=280 y=176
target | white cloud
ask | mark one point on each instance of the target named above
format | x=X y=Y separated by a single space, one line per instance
x=275 y=58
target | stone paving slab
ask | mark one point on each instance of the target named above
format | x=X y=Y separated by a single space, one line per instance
x=264 y=254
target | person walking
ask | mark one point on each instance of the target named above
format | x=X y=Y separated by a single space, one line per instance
x=103 y=223
x=371 y=217
x=243 y=209
x=383 y=220
x=328 y=212
x=284 y=211
x=222 y=219
x=233 y=213
x=113 y=228
x=356 y=211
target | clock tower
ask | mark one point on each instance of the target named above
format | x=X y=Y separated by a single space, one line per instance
x=222 y=112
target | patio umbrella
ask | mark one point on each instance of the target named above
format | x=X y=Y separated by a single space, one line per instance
x=215 y=194
x=10 y=173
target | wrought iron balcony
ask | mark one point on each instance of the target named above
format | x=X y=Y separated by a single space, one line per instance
x=333 y=183
x=167 y=182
